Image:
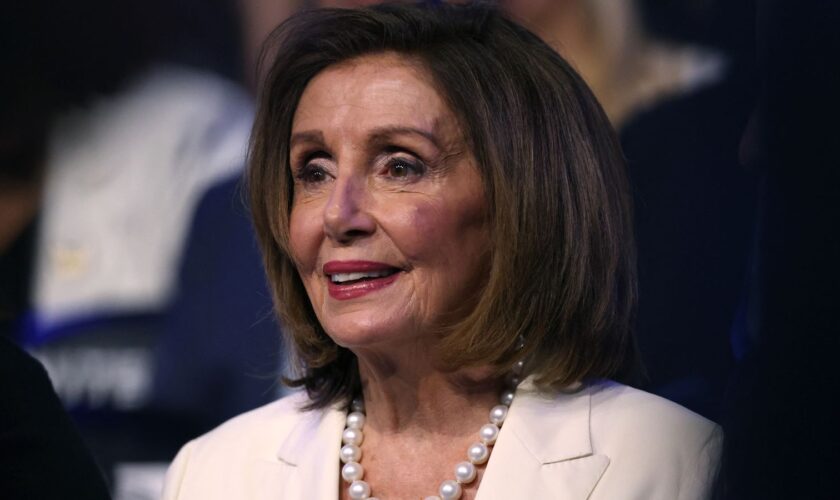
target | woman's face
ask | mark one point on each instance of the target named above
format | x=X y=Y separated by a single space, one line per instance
x=388 y=225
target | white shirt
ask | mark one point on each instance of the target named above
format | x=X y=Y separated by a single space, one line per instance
x=123 y=177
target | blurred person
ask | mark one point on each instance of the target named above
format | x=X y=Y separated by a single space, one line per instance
x=42 y=455
x=783 y=406
x=695 y=211
x=172 y=128
x=122 y=184
x=443 y=213
x=119 y=125
x=680 y=110
x=258 y=18
x=219 y=351
x=49 y=67
x=627 y=68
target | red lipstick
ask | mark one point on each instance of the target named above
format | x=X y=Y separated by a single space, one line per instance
x=358 y=277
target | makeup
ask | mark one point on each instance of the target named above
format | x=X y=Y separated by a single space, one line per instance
x=352 y=279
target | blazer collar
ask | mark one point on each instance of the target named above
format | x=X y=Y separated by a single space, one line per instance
x=552 y=427
x=315 y=434
x=544 y=449
x=309 y=455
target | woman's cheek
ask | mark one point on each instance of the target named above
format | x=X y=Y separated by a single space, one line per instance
x=416 y=229
x=303 y=238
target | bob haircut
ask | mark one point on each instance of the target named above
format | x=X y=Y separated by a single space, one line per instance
x=562 y=262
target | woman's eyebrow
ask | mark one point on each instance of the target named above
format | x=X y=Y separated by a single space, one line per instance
x=306 y=136
x=383 y=134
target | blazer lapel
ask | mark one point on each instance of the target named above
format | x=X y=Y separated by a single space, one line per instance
x=544 y=450
x=309 y=457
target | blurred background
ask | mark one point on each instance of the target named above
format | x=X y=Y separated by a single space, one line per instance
x=128 y=266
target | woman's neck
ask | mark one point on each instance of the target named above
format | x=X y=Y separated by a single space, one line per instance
x=405 y=392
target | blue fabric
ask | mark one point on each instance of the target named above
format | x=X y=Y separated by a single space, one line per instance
x=219 y=352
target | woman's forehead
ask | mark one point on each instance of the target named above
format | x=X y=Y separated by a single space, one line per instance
x=373 y=92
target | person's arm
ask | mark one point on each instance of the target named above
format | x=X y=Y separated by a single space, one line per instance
x=41 y=452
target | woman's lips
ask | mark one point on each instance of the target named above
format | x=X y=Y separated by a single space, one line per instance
x=355 y=289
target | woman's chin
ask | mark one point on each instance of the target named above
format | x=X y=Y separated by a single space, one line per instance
x=369 y=335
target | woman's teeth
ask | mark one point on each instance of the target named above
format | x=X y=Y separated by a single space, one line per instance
x=345 y=277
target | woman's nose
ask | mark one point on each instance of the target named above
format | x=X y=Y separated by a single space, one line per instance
x=346 y=217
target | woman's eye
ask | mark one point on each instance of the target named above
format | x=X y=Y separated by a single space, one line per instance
x=312 y=174
x=401 y=169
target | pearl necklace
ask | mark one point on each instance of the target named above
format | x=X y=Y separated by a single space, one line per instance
x=465 y=472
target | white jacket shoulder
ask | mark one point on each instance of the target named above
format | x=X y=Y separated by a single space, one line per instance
x=249 y=440
x=658 y=446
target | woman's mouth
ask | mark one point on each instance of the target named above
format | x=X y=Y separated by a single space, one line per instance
x=347 y=278
x=352 y=279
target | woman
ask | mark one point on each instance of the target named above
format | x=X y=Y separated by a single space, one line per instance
x=442 y=210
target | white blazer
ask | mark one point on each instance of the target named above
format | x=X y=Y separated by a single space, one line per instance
x=605 y=442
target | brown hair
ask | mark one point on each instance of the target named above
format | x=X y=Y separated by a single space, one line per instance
x=562 y=263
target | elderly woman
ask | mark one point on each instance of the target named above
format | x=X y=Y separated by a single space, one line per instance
x=443 y=213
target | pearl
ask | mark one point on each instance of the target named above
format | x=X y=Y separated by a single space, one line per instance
x=356 y=420
x=450 y=490
x=352 y=436
x=352 y=471
x=478 y=453
x=506 y=398
x=357 y=404
x=350 y=453
x=518 y=367
x=359 y=490
x=465 y=472
x=488 y=433
x=498 y=414
x=513 y=380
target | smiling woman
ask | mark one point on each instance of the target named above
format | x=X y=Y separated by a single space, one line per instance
x=387 y=199
x=443 y=213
